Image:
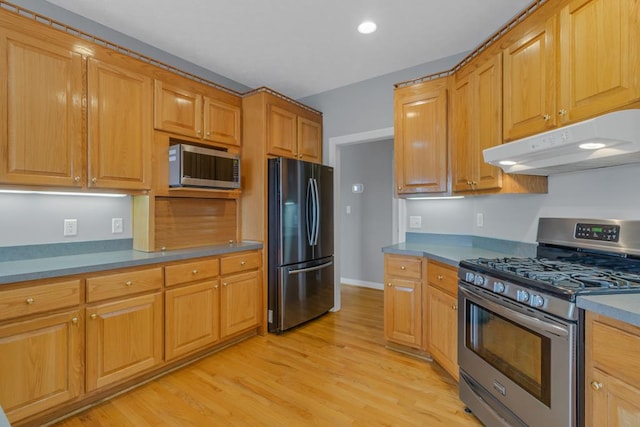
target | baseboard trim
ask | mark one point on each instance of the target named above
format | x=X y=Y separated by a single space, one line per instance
x=362 y=283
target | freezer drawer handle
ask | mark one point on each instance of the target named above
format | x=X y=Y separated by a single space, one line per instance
x=317 y=267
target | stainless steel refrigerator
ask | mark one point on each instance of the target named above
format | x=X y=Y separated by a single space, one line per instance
x=300 y=242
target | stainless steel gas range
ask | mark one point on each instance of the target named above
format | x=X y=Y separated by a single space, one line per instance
x=521 y=336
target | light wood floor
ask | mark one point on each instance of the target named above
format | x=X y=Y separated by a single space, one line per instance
x=334 y=371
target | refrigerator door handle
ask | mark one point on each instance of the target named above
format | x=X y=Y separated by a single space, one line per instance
x=305 y=270
x=317 y=206
x=310 y=214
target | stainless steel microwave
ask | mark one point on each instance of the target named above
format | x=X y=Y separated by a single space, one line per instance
x=193 y=166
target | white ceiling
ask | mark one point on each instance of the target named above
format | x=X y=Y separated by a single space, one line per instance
x=302 y=47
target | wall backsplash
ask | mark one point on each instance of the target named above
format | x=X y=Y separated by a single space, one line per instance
x=598 y=193
x=30 y=219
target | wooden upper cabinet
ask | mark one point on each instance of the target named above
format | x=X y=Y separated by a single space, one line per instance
x=476 y=122
x=420 y=146
x=177 y=110
x=221 y=122
x=119 y=127
x=41 y=89
x=309 y=140
x=599 y=57
x=529 y=82
x=182 y=111
x=282 y=132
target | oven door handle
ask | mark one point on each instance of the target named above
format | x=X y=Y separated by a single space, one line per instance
x=528 y=321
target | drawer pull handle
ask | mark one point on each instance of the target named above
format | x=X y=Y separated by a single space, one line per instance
x=194 y=272
x=74 y=320
x=129 y=283
x=596 y=386
x=30 y=300
x=242 y=263
x=440 y=277
x=93 y=316
x=402 y=267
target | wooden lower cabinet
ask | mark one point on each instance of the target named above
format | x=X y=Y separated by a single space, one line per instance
x=612 y=372
x=192 y=318
x=442 y=315
x=40 y=363
x=403 y=317
x=123 y=338
x=240 y=303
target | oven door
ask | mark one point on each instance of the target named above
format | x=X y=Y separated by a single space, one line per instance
x=517 y=365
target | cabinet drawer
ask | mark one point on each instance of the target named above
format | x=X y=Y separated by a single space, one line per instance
x=242 y=262
x=122 y=284
x=443 y=277
x=39 y=298
x=402 y=266
x=191 y=271
x=615 y=348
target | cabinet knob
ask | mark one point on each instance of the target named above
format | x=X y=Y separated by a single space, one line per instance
x=224 y=284
x=454 y=307
x=128 y=283
x=74 y=320
x=562 y=112
x=76 y=179
x=546 y=117
x=399 y=187
x=402 y=267
x=215 y=286
x=596 y=386
x=474 y=183
x=93 y=316
x=198 y=132
x=468 y=182
x=389 y=284
x=208 y=133
x=94 y=180
x=30 y=300
x=440 y=277
x=242 y=263
x=194 y=272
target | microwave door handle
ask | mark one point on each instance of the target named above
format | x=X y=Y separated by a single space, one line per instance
x=528 y=321
x=309 y=216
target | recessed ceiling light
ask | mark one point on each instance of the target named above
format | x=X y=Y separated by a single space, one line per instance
x=367 y=27
x=507 y=162
x=592 y=145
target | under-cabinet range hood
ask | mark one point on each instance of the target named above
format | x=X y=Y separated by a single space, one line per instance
x=612 y=139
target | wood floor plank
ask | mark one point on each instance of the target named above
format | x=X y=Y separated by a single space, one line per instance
x=334 y=371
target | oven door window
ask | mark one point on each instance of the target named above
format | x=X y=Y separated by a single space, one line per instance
x=519 y=353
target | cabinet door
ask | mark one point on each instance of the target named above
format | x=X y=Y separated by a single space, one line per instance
x=599 y=57
x=403 y=312
x=462 y=136
x=487 y=120
x=40 y=364
x=610 y=401
x=41 y=88
x=221 y=122
x=420 y=146
x=309 y=140
x=530 y=83
x=119 y=127
x=191 y=318
x=442 y=312
x=282 y=130
x=123 y=339
x=239 y=303
x=177 y=110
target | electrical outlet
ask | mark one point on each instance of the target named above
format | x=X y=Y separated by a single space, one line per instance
x=415 y=222
x=70 y=227
x=479 y=220
x=117 y=225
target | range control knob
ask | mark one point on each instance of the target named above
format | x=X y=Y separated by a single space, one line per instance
x=498 y=287
x=469 y=277
x=536 y=301
x=479 y=280
x=522 y=296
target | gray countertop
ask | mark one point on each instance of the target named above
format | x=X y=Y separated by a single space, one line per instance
x=57 y=266
x=623 y=307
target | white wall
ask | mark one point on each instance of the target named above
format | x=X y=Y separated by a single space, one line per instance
x=608 y=193
x=29 y=219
